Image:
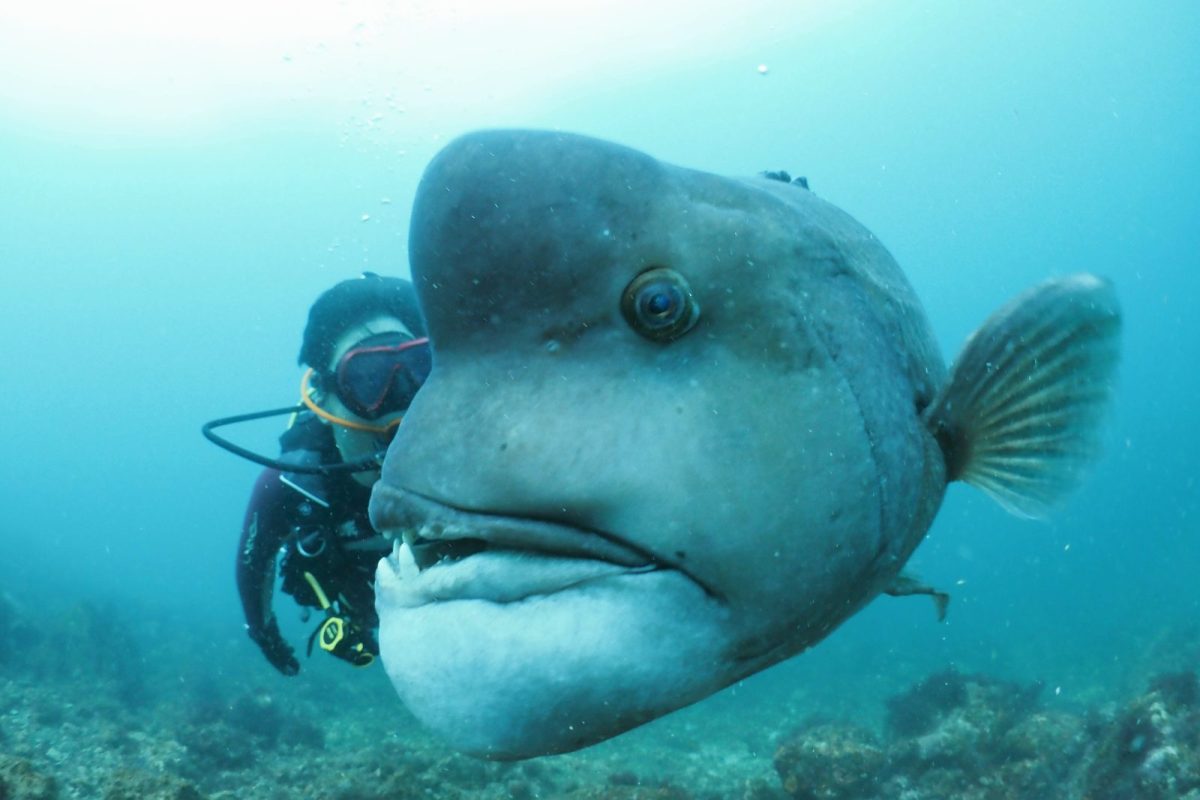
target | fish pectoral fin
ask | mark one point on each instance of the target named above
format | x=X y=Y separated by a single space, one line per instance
x=905 y=585
x=1019 y=415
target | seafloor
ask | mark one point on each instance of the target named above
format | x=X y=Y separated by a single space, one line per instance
x=104 y=701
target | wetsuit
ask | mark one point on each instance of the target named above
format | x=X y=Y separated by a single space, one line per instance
x=320 y=525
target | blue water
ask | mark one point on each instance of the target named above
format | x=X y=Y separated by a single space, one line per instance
x=155 y=272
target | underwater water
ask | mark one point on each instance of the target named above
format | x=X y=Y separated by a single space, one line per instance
x=177 y=187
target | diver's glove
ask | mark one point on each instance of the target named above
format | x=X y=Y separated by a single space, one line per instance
x=278 y=652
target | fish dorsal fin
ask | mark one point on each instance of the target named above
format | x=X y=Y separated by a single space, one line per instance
x=1019 y=415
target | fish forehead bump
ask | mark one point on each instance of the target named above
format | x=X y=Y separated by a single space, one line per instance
x=545 y=225
x=498 y=206
x=549 y=204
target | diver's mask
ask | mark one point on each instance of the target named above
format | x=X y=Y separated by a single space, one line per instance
x=376 y=378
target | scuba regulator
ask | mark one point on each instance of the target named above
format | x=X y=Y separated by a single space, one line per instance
x=338 y=635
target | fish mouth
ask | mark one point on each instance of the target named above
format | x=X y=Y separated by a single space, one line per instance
x=443 y=553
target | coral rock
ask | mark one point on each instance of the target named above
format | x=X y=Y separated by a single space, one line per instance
x=830 y=762
x=1151 y=750
x=135 y=785
x=20 y=781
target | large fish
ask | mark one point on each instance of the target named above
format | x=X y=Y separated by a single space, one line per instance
x=679 y=428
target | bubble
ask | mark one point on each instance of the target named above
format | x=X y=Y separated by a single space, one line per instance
x=366 y=217
x=763 y=69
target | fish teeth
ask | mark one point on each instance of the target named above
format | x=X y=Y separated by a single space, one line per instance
x=405 y=564
x=406 y=535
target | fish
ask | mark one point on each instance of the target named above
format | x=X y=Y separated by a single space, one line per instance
x=679 y=428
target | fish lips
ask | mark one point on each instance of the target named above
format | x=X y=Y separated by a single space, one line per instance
x=537 y=637
x=443 y=553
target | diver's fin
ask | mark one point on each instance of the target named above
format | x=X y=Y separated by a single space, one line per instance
x=906 y=584
x=1018 y=416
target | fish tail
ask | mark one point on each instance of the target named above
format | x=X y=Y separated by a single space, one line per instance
x=1019 y=415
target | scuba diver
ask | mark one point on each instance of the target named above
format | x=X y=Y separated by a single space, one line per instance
x=366 y=355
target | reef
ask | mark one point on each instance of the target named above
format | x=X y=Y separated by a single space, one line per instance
x=105 y=703
x=19 y=780
x=978 y=738
x=1151 y=748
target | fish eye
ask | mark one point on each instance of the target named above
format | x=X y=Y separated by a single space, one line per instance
x=659 y=304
